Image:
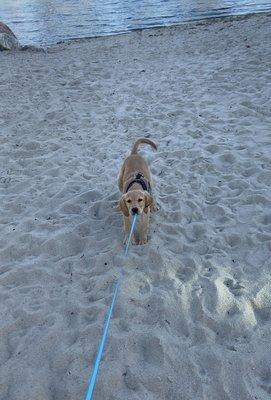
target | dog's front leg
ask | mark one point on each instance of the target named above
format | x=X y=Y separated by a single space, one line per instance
x=143 y=228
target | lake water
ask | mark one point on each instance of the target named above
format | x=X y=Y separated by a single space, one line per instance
x=43 y=22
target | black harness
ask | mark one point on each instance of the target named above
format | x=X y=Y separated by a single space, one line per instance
x=142 y=181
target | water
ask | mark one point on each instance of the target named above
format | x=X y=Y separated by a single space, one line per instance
x=44 y=22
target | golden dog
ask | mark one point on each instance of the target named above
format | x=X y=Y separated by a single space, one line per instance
x=135 y=183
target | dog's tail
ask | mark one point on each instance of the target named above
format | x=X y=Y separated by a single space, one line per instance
x=142 y=140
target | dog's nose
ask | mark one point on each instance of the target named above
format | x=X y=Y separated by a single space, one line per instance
x=135 y=210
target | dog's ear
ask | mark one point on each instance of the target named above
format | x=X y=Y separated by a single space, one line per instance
x=148 y=202
x=123 y=206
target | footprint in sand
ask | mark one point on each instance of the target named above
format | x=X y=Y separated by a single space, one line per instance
x=265 y=219
x=89 y=315
x=63 y=245
x=234 y=287
x=130 y=380
x=212 y=195
x=184 y=274
x=233 y=239
x=265 y=178
x=152 y=350
x=262 y=304
x=266 y=382
x=212 y=148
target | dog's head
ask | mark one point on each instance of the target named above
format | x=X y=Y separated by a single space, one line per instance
x=135 y=202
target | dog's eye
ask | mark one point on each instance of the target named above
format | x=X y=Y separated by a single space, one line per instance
x=129 y=201
x=139 y=200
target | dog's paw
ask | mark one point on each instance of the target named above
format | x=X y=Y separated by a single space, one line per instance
x=125 y=241
x=143 y=240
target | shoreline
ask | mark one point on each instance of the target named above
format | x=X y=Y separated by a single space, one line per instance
x=190 y=23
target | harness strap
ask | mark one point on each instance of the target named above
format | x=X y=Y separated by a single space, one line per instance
x=142 y=181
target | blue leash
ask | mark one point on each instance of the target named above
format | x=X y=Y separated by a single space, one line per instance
x=130 y=234
x=92 y=381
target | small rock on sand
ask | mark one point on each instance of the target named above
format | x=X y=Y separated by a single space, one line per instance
x=8 y=40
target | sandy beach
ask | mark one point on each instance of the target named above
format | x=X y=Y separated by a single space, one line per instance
x=193 y=316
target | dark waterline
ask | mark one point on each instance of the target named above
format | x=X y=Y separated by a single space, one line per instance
x=44 y=22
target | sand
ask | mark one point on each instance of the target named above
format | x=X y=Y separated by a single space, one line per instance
x=193 y=316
